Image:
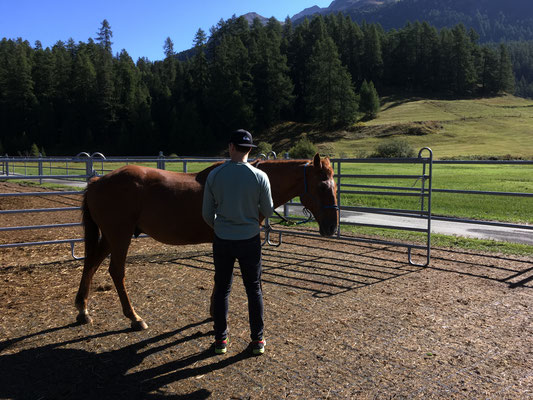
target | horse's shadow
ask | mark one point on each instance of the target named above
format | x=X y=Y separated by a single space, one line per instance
x=56 y=372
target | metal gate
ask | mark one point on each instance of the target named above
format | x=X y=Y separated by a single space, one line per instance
x=420 y=190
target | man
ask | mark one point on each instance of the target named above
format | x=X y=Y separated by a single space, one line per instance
x=235 y=193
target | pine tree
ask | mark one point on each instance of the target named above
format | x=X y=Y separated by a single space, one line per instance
x=17 y=98
x=352 y=50
x=369 y=100
x=286 y=36
x=84 y=94
x=372 y=53
x=168 y=48
x=199 y=72
x=231 y=91
x=106 y=106
x=34 y=151
x=428 y=61
x=505 y=72
x=299 y=52
x=273 y=88
x=462 y=62
x=489 y=71
x=104 y=36
x=330 y=94
x=446 y=71
x=200 y=39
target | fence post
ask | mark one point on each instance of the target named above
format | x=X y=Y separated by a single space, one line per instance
x=40 y=169
x=89 y=167
x=339 y=196
x=184 y=166
x=161 y=161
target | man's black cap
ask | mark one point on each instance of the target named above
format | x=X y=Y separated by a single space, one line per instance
x=243 y=138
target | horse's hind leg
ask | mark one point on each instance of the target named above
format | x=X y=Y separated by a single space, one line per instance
x=91 y=264
x=117 y=271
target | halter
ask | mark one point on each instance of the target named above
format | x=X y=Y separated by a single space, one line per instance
x=334 y=206
x=306 y=212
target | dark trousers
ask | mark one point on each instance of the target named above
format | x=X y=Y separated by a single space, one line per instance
x=248 y=252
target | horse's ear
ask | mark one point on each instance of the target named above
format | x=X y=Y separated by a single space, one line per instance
x=316 y=161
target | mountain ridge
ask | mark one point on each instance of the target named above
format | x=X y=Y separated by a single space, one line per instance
x=493 y=20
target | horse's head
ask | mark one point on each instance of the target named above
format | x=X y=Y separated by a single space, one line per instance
x=320 y=195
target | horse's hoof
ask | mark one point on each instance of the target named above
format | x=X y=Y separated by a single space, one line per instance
x=84 y=319
x=139 y=325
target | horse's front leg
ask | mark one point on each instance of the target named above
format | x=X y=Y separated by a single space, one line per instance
x=117 y=272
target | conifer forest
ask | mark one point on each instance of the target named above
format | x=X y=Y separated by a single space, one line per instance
x=86 y=96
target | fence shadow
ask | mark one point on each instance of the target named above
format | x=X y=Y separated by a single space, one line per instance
x=316 y=269
x=321 y=262
x=328 y=267
x=513 y=271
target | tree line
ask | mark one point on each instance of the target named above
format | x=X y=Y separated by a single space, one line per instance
x=81 y=97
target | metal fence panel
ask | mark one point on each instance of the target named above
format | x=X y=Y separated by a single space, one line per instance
x=84 y=166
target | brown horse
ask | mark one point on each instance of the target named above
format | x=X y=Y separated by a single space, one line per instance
x=168 y=207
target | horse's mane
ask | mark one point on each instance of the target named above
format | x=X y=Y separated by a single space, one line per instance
x=325 y=164
x=201 y=177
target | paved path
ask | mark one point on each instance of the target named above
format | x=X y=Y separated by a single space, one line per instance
x=524 y=236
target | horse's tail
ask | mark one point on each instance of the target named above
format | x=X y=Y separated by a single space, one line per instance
x=91 y=230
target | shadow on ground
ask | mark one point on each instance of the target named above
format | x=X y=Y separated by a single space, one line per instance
x=56 y=372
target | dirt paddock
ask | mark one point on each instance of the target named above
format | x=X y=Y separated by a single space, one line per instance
x=343 y=321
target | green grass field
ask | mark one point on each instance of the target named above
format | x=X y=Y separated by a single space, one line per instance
x=495 y=178
x=494 y=126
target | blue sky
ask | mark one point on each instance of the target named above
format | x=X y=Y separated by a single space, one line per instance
x=139 y=26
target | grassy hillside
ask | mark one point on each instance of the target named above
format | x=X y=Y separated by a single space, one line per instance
x=496 y=126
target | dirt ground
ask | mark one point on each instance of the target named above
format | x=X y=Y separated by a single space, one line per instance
x=343 y=320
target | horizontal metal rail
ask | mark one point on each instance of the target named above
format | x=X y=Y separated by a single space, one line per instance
x=394 y=227
x=517 y=194
x=485 y=162
x=22 y=228
x=481 y=222
x=77 y=192
x=353 y=239
x=377 y=193
x=387 y=211
x=381 y=211
x=38 y=210
x=414 y=189
x=384 y=176
x=350 y=185
x=23 y=244
x=414 y=160
x=31 y=177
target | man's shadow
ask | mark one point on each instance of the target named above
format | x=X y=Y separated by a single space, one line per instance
x=55 y=372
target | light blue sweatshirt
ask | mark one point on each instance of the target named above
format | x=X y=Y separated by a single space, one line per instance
x=235 y=193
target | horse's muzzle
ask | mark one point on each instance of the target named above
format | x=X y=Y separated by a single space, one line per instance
x=328 y=229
